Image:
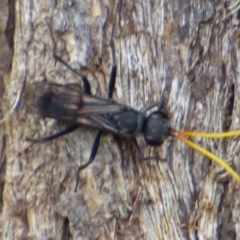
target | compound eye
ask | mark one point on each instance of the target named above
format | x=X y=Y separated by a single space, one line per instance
x=156 y=128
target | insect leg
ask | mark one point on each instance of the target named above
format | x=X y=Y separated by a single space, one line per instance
x=91 y=157
x=113 y=74
x=150 y=106
x=111 y=86
x=86 y=84
x=135 y=143
x=56 y=135
x=110 y=93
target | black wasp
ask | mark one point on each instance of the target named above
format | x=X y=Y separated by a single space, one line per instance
x=69 y=103
x=78 y=107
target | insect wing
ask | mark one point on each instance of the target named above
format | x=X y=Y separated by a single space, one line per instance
x=98 y=113
x=36 y=90
x=54 y=100
x=69 y=103
x=98 y=122
x=95 y=105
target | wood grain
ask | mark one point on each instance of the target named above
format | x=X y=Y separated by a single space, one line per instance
x=186 y=52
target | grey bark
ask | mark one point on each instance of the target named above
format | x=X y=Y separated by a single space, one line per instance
x=186 y=52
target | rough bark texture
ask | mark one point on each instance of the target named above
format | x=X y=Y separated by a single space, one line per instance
x=186 y=52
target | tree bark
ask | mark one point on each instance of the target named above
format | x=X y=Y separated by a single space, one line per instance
x=185 y=52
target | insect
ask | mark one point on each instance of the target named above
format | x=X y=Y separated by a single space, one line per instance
x=79 y=108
